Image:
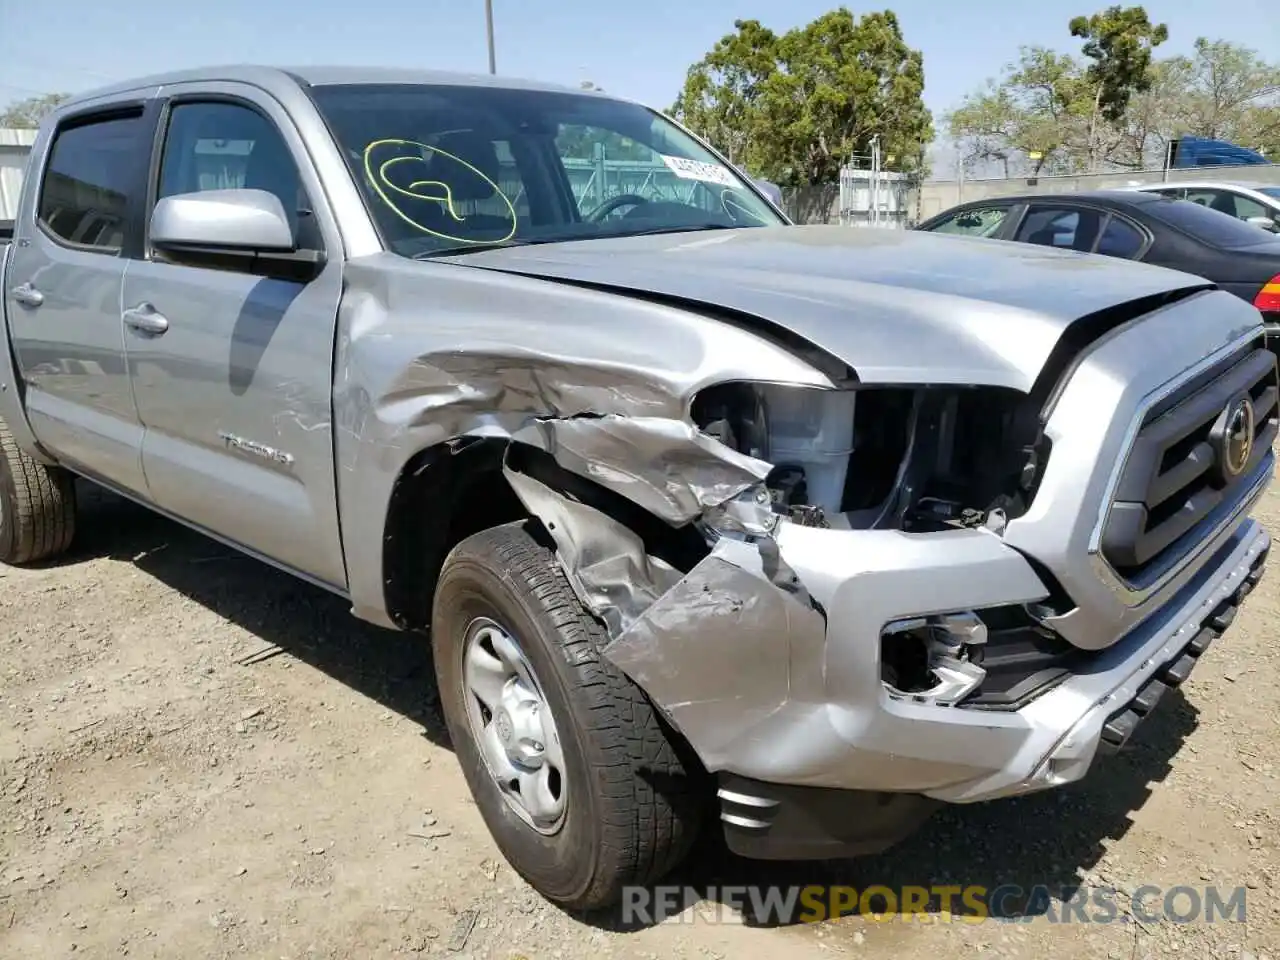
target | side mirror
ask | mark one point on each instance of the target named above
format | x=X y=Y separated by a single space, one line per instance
x=237 y=229
x=1266 y=223
x=227 y=219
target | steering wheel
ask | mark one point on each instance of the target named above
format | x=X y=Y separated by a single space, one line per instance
x=612 y=204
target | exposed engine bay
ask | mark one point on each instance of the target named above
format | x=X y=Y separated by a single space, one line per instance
x=913 y=459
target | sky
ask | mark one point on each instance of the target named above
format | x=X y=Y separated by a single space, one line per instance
x=637 y=48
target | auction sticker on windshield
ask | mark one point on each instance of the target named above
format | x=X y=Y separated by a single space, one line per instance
x=688 y=169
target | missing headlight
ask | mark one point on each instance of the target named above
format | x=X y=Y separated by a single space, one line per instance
x=806 y=433
x=908 y=458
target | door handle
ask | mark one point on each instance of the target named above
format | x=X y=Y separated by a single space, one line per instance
x=145 y=319
x=27 y=295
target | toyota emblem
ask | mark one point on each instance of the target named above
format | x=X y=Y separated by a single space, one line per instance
x=1236 y=443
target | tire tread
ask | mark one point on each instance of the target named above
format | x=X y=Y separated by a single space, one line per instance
x=42 y=510
x=647 y=795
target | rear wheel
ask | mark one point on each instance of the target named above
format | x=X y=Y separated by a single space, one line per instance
x=37 y=506
x=578 y=781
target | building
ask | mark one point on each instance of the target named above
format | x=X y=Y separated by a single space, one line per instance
x=15 y=145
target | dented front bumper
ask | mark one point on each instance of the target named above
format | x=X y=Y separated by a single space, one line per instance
x=766 y=654
x=765 y=687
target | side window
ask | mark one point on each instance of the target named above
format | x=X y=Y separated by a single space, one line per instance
x=974 y=222
x=220 y=146
x=1120 y=239
x=1246 y=208
x=90 y=180
x=1219 y=200
x=1061 y=227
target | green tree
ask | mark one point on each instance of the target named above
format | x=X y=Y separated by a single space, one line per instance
x=796 y=107
x=1231 y=94
x=1032 y=115
x=1051 y=113
x=721 y=96
x=27 y=114
x=1119 y=41
x=1224 y=91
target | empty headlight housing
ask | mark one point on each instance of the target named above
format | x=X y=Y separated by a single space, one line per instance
x=806 y=432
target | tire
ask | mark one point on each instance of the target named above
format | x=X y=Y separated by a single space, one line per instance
x=37 y=506
x=632 y=801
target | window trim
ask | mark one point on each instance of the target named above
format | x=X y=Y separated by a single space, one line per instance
x=138 y=108
x=232 y=262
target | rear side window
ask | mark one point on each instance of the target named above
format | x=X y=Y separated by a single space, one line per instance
x=91 y=180
x=1120 y=239
x=1208 y=226
x=1067 y=228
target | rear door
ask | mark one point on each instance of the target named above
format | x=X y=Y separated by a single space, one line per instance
x=63 y=290
x=235 y=392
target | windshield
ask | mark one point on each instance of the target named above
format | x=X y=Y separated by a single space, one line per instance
x=1208 y=226
x=445 y=169
x=1270 y=191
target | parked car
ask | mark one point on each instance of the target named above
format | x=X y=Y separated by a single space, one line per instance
x=1134 y=225
x=1254 y=203
x=822 y=527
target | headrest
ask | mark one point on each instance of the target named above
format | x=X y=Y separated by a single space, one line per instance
x=477 y=151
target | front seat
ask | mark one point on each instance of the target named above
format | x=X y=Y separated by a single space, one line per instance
x=1224 y=203
x=474 y=181
x=1044 y=237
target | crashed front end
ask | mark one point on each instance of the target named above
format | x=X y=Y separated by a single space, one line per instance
x=919 y=593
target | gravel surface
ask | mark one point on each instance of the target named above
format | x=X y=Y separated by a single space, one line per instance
x=202 y=757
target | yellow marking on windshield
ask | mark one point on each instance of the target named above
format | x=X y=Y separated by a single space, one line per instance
x=434 y=191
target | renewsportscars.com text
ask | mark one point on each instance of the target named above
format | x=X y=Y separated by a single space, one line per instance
x=932 y=904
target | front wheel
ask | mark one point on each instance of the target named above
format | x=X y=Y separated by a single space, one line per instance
x=576 y=778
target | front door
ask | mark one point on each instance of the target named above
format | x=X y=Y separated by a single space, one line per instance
x=233 y=371
x=63 y=295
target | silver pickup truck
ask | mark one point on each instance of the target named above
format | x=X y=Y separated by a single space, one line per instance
x=807 y=529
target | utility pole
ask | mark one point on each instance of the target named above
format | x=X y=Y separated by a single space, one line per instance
x=488 y=24
x=875 y=180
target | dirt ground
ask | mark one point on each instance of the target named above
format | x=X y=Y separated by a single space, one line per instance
x=203 y=758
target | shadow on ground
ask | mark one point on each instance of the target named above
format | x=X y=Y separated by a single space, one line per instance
x=303 y=621
x=1043 y=842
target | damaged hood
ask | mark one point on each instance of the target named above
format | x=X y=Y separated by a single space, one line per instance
x=897 y=306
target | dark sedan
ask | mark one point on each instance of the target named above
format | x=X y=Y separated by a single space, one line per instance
x=1235 y=255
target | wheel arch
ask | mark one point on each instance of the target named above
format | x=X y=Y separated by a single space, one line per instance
x=446 y=492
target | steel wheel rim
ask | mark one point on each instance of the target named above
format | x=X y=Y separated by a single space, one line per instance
x=513 y=727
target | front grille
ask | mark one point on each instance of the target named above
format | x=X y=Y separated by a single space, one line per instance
x=1189 y=462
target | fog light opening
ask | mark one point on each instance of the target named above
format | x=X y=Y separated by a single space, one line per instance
x=935 y=659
